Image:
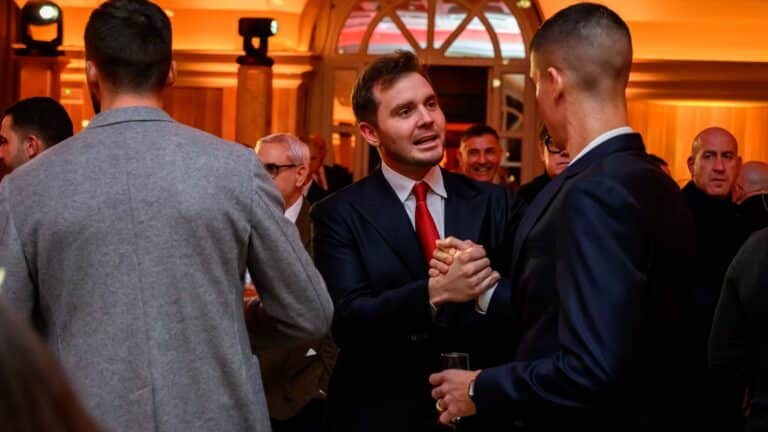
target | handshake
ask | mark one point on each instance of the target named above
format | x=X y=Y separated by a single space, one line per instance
x=459 y=271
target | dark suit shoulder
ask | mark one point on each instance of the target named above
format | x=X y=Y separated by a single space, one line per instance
x=529 y=190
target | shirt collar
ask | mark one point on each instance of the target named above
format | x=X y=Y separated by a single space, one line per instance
x=403 y=186
x=601 y=139
x=292 y=212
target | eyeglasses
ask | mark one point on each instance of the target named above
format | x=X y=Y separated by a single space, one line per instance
x=274 y=169
x=549 y=145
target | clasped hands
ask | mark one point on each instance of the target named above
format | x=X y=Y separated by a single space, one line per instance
x=459 y=271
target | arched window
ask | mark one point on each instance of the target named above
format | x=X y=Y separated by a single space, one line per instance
x=476 y=51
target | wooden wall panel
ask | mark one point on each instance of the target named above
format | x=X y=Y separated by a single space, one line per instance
x=198 y=107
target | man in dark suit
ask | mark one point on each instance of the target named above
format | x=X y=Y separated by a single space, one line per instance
x=295 y=379
x=600 y=259
x=714 y=164
x=738 y=343
x=323 y=179
x=373 y=241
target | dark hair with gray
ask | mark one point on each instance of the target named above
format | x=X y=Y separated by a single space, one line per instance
x=383 y=72
x=298 y=150
x=590 y=41
x=130 y=43
x=476 y=131
x=40 y=116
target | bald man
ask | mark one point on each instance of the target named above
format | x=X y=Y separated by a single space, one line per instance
x=601 y=269
x=750 y=193
x=719 y=232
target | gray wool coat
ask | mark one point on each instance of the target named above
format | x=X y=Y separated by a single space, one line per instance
x=128 y=242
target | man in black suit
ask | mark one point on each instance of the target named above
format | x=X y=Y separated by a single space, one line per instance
x=738 y=344
x=373 y=241
x=600 y=259
x=323 y=179
x=714 y=164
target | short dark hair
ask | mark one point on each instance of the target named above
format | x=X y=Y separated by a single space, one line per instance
x=40 y=116
x=384 y=72
x=478 y=130
x=130 y=43
x=588 y=39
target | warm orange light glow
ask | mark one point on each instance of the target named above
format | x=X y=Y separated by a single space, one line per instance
x=668 y=128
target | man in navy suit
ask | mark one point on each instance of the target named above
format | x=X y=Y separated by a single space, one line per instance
x=373 y=241
x=600 y=260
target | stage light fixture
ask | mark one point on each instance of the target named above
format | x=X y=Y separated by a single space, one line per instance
x=38 y=17
x=262 y=28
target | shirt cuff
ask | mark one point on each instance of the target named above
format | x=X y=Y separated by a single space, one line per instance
x=484 y=300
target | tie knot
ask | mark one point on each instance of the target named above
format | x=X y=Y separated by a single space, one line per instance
x=420 y=191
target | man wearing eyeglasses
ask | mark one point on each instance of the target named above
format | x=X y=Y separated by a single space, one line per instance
x=295 y=379
x=556 y=160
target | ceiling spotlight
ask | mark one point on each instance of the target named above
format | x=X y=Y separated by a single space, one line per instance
x=41 y=28
x=523 y=4
x=262 y=28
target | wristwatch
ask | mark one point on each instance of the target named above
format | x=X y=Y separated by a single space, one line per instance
x=471 y=391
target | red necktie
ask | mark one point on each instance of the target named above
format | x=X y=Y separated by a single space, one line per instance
x=425 y=225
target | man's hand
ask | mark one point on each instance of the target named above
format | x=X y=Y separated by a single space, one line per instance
x=451 y=391
x=467 y=276
x=445 y=251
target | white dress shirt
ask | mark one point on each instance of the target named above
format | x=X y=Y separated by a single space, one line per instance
x=403 y=187
x=436 y=196
x=292 y=212
x=601 y=139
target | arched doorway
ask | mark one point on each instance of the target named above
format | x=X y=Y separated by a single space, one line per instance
x=481 y=44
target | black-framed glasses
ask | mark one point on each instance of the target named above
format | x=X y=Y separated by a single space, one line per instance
x=549 y=145
x=274 y=169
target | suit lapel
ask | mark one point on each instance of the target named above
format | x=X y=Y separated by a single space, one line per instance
x=623 y=142
x=462 y=209
x=303 y=223
x=381 y=207
x=533 y=213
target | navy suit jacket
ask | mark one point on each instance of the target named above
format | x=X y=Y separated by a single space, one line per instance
x=368 y=253
x=604 y=306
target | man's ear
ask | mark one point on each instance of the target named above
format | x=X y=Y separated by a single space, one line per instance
x=91 y=72
x=301 y=175
x=369 y=133
x=557 y=82
x=32 y=146
x=691 y=162
x=171 y=78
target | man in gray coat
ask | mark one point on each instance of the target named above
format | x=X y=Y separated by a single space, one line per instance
x=129 y=241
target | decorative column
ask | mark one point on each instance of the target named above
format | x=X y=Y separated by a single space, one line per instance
x=254 y=81
x=254 y=103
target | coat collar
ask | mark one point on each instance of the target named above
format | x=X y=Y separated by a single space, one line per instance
x=129 y=114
